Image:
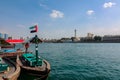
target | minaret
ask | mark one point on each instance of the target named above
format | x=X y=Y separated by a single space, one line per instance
x=75 y=32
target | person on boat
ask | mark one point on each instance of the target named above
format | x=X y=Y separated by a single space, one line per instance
x=0 y=48
x=26 y=47
x=14 y=45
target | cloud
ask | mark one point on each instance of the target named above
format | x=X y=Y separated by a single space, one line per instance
x=44 y=6
x=109 y=5
x=56 y=14
x=90 y=12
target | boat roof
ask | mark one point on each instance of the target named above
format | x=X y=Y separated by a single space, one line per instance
x=29 y=57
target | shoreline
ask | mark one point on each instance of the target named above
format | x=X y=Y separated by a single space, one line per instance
x=84 y=42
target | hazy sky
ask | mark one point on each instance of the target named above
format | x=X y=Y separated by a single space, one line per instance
x=59 y=18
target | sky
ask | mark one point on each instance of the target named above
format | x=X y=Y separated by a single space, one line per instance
x=59 y=18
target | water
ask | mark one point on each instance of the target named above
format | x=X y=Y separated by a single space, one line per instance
x=81 y=61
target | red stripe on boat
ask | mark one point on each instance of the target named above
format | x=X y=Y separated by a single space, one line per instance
x=15 y=41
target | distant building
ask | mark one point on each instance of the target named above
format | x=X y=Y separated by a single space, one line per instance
x=82 y=39
x=9 y=37
x=75 y=39
x=90 y=36
x=66 y=40
x=111 y=38
x=5 y=36
x=1 y=35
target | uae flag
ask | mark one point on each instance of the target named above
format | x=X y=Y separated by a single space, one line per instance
x=34 y=29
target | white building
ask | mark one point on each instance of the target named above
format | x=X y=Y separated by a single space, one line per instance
x=90 y=36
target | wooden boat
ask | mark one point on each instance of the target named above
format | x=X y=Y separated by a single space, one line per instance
x=11 y=53
x=28 y=65
x=8 y=69
x=33 y=64
x=7 y=46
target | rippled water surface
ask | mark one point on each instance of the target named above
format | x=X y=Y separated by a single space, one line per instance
x=81 y=61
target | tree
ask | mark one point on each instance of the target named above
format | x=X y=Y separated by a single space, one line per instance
x=97 y=38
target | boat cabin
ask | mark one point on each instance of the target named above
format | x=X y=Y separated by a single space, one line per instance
x=30 y=60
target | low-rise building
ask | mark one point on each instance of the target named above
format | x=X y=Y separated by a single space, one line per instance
x=111 y=38
x=66 y=40
x=75 y=39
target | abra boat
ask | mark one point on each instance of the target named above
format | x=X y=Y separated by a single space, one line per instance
x=33 y=64
x=11 y=53
x=8 y=70
x=28 y=65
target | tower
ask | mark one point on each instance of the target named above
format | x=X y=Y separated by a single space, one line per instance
x=75 y=32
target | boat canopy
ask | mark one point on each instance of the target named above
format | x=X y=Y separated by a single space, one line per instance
x=31 y=59
x=29 y=56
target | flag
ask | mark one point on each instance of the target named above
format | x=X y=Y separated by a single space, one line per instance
x=34 y=29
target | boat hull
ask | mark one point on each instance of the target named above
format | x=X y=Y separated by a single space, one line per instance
x=42 y=75
x=7 y=46
x=38 y=73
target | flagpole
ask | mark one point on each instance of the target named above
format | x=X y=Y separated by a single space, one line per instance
x=36 y=46
x=35 y=29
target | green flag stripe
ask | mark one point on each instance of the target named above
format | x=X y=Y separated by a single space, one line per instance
x=32 y=27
